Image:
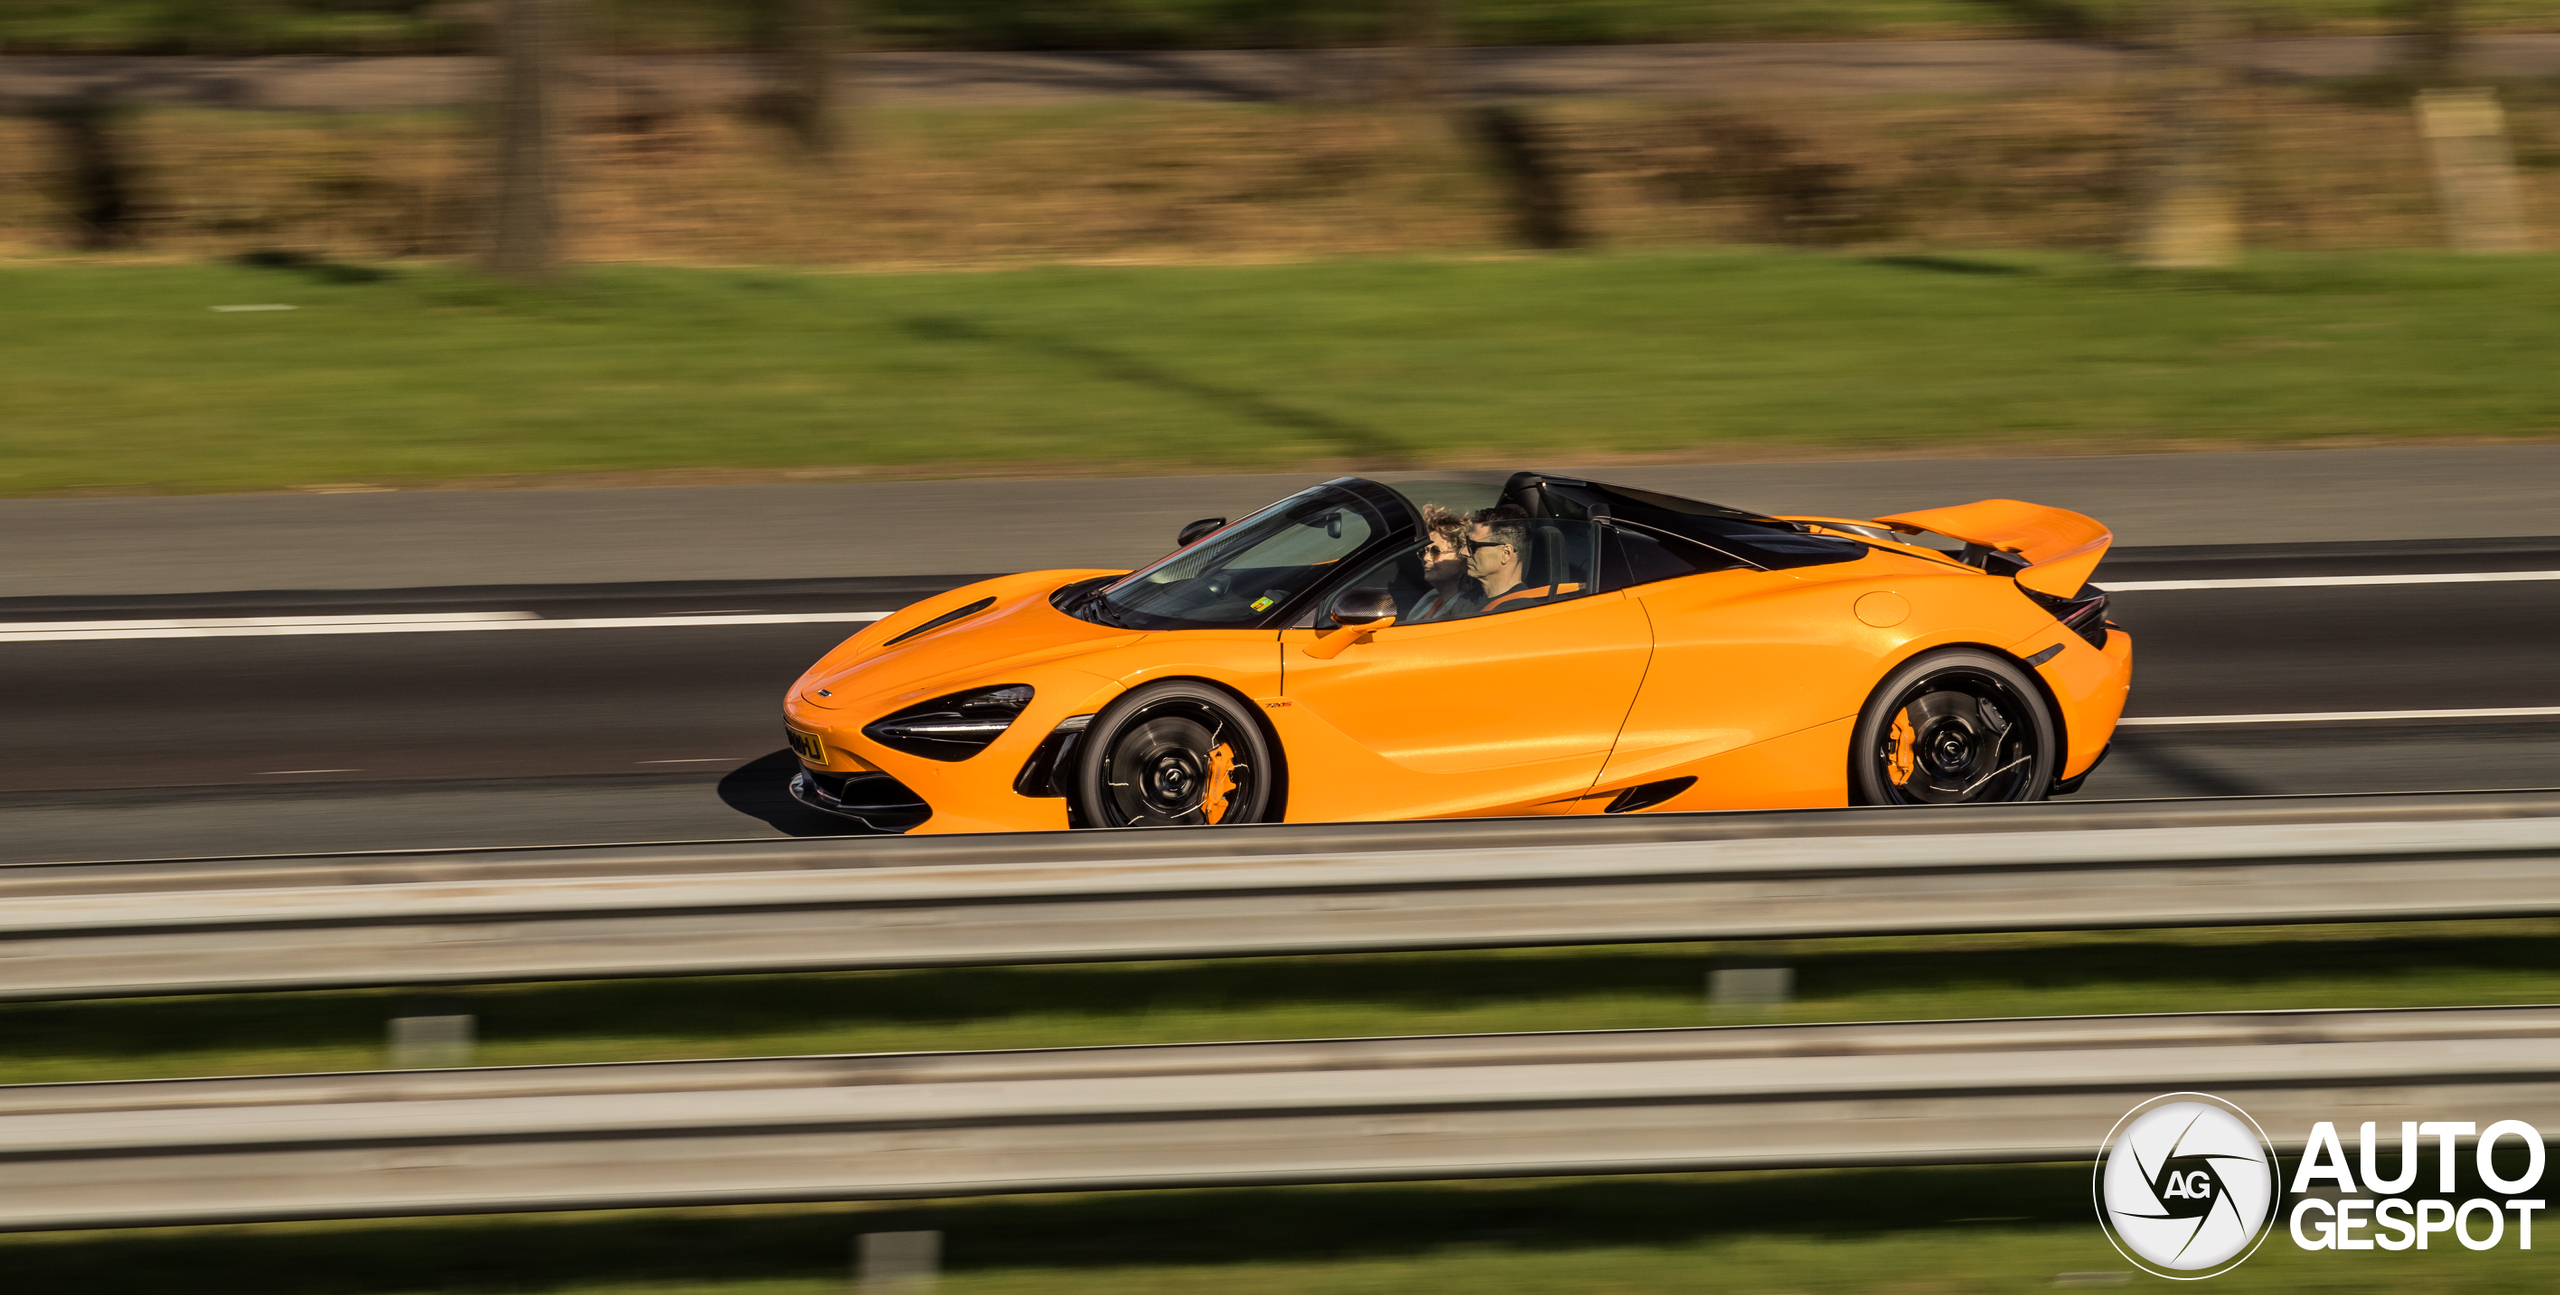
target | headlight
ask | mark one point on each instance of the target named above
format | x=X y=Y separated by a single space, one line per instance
x=954 y=727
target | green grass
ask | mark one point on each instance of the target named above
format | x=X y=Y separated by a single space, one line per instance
x=282 y=26
x=123 y=380
x=1281 y=998
x=1901 y=1231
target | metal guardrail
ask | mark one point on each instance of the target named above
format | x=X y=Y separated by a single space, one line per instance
x=940 y=1124
x=91 y=930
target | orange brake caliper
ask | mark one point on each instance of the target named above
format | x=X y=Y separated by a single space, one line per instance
x=1905 y=755
x=1221 y=786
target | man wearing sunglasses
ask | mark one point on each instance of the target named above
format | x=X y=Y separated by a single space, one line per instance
x=1498 y=551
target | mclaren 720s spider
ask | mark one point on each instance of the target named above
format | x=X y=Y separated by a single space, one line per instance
x=1449 y=648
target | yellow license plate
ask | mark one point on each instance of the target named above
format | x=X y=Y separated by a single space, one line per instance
x=806 y=746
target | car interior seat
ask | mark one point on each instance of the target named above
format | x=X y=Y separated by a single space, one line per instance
x=1568 y=553
x=1549 y=564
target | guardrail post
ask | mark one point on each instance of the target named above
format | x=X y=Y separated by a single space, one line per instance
x=431 y=1042
x=1750 y=986
x=897 y=1263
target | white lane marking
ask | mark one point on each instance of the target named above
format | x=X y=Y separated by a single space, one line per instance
x=423 y=623
x=2322 y=582
x=218 y=622
x=700 y=759
x=435 y=622
x=270 y=773
x=2341 y=716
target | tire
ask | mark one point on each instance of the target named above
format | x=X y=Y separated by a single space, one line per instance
x=1176 y=754
x=1960 y=726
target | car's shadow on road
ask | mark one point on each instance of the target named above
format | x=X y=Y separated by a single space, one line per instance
x=760 y=789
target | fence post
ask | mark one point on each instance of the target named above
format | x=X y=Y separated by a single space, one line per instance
x=526 y=224
x=95 y=172
x=1541 y=207
x=2475 y=170
x=2192 y=219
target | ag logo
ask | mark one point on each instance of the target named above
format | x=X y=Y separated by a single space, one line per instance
x=2186 y=1186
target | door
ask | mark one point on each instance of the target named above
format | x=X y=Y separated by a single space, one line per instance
x=1748 y=668
x=1511 y=702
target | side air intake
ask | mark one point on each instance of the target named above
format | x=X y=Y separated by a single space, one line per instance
x=2084 y=613
x=1647 y=795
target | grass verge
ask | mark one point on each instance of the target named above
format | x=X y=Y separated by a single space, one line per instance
x=1896 y=1231
x=1628 y=987
x=125 y=380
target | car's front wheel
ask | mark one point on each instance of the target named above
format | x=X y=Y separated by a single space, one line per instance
x=1175 y=753
x=1955 y=727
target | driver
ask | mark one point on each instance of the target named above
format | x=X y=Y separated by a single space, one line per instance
x=1452 y=594
x=1498 y=549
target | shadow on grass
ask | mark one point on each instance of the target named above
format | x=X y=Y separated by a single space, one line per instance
x=1232 y=1226
x=319 y=268
x=1344 y=437
x=1240 y=997
x=1947 y=264
x=2058 y=19
x=2396 y=277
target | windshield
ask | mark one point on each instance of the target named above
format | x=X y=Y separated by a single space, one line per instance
x=1242 y=574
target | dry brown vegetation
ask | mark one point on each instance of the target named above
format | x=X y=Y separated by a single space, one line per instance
x=1203 y=183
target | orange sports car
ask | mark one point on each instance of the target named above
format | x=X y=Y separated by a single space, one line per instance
x=1543 y=645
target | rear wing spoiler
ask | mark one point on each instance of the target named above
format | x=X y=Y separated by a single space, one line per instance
x=2060 y=548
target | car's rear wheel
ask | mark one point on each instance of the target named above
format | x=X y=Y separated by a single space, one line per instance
x=1173 y=754
x=1956 y=727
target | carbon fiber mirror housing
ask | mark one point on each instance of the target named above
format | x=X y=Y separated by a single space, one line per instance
x=1362 y=606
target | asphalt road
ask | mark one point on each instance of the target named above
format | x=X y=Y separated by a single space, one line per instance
x=116 y=549
x=203 y=746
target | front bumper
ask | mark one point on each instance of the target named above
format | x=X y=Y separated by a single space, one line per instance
x=875 y=800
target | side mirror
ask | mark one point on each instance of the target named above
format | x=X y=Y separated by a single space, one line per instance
x=1362 y=606
x=1193 y=531
x=1356 y=612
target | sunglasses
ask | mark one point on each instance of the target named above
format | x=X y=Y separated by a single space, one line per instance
x=1472 y=545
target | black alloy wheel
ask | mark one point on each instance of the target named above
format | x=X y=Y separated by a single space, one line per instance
x=1956 y=727
x=1175 y=754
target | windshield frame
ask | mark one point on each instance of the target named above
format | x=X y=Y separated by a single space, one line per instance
x=1399 y=524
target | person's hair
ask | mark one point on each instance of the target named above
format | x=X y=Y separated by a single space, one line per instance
x=1437 y=520
x=1509 y=526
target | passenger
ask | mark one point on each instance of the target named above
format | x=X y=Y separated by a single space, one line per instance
x=1499 y=550
x=1452 y=594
